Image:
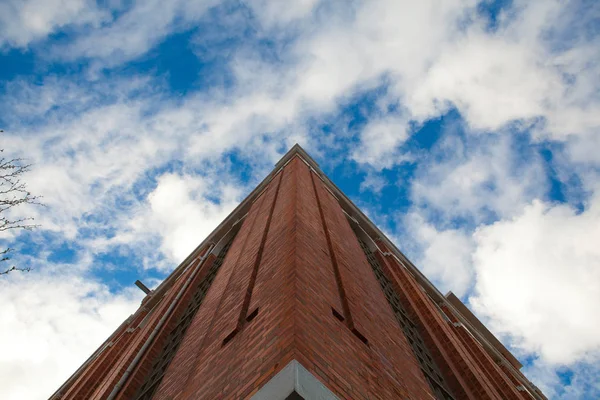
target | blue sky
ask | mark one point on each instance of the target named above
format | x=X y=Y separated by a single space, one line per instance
x=468 y=131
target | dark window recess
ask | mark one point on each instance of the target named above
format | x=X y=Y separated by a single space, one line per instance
x=252 y=315
x=294 y=396
x=429 y=368
x=163 y=360
x=337 y=314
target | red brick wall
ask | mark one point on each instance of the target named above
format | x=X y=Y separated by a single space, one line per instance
x=296 y=259
x=294 y=287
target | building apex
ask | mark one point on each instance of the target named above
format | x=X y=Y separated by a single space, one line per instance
x=294 y=283
x=297 y=150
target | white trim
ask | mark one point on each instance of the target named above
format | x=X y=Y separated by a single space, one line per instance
x=294 y=377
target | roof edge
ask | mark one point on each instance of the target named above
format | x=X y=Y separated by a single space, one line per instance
x=477 y=324
x=233 y=217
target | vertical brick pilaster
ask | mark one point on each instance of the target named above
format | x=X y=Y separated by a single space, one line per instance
x=390 y=366
x=500 y=381
x=233 y=303
x=97 y=368
x=104 y=386
x=464 y=376
x=517 y=381
x=144 y=366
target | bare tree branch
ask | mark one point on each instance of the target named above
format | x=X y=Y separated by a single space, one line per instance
x=14 y=193
x=13 y=268
x=4 y=257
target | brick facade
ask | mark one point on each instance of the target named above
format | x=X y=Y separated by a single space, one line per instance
x=295 y=284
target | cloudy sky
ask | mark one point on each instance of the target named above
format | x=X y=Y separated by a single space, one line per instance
x=468 y=131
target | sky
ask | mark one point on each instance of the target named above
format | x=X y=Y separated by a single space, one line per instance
x=468 y=131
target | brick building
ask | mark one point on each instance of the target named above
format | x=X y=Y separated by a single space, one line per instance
x=298 y=295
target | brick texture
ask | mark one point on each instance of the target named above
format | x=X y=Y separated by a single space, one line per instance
x=296 y=284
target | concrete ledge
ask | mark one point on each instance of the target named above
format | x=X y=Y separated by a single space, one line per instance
x=294 y=377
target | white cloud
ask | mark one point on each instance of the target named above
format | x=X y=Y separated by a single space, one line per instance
x=537 y=64
x=429 y=56
x=135 y=31
x=79 y=162
x=50 y=324
x=583 y=150
x=445 y=255
x=538 y=279
x=491 y=80
x=276 y=13
x=184 y=210
x=24 y=21
x=432 y=62
x=373 y=183
x=478 y=179
x=379 y=141
x=579 y=381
